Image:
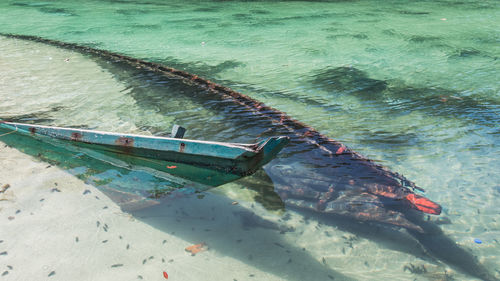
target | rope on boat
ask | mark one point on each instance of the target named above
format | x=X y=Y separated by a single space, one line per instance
x=9 y=132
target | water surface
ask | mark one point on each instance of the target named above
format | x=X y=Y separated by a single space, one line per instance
x=413 y=85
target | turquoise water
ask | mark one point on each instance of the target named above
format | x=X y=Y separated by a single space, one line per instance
x=413 y=85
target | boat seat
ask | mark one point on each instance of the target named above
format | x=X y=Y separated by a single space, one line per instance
x=177 y=132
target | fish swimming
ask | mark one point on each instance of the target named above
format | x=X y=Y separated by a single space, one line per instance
x=314 y=172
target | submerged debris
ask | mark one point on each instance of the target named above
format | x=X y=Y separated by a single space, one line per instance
x=4 y=188
x=194 y=249
x=415 y=269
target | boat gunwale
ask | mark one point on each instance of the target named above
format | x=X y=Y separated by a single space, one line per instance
x=248 y=147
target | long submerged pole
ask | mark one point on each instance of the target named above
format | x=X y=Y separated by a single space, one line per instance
x=328 y=145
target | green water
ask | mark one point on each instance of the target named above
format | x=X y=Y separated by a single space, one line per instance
x=413 y=85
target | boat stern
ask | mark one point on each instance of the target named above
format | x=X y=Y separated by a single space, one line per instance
x=269 y=148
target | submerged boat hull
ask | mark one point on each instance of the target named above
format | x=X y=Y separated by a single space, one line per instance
x=193 y=159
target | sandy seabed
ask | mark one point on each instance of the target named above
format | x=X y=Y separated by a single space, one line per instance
x=53 y=226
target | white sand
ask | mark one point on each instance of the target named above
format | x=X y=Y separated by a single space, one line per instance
x=81 y=236
x=48 y=224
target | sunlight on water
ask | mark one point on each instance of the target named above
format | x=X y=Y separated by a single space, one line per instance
x=413 y=85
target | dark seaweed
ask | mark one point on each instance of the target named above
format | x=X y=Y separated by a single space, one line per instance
x=397 y=98
x=260 y=12
x=465 y=53
x=205 y=9
x=413 y=13
x=57 y=11
x=348 y=80
x=423 y=39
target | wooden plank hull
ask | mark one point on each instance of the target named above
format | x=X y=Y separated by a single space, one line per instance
x=200 y=161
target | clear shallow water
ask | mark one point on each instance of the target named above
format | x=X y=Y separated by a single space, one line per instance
x=396 y=82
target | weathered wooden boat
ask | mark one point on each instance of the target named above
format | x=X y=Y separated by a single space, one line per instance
x=203 y=161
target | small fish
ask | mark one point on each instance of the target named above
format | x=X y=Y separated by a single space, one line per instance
x=117 y=265
x=76 y=239
x=5 y=273
x=279 y=245
x=55 y=189
x=52 y=273
x=4 y=253
x=86 y=192
x=4 y=187
x=10 y=267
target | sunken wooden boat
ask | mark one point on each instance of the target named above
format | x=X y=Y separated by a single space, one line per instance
x=212 y=163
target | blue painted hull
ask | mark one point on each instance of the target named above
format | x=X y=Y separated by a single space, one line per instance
x=200 y=161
